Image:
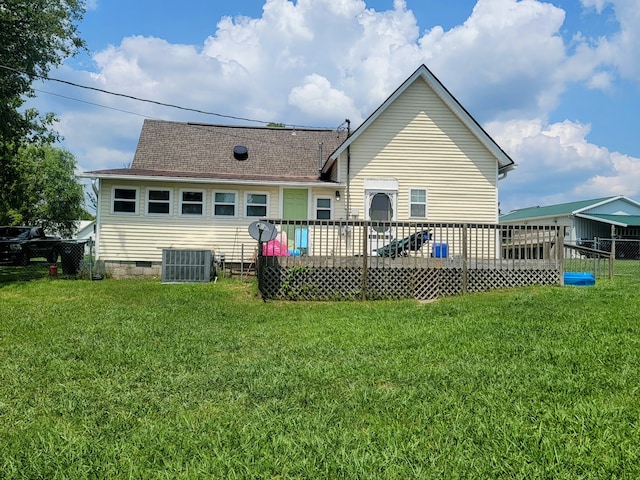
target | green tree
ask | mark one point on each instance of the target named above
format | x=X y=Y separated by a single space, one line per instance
x=35 y=36
x=46 y=191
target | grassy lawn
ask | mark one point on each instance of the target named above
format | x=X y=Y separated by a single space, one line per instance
x=135 y=379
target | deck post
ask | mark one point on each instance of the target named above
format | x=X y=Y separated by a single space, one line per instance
x=465 y=255
x=560 y=232
x=613 y=251
x=365 y=259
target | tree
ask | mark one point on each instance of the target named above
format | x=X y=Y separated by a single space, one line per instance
x=35 y=35
x=47 y=192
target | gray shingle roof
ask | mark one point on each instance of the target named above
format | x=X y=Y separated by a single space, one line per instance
x=176 y=149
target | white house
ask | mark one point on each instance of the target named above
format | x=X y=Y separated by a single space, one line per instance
x=420 y=156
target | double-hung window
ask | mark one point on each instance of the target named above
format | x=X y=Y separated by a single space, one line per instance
x=418 y=203
x=192 y=202
x=323 y=208
x=125 y=200
x=224 y=204
x=256 y=205
x=158 y=201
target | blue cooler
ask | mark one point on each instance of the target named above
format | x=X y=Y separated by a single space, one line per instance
x=439 y=250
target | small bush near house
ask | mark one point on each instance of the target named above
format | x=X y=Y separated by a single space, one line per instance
x=138 y=379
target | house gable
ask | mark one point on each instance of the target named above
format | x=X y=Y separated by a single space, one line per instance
x=505 y=163
x=421 y=143
x=613 y=206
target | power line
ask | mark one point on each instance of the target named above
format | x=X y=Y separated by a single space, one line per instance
x=190 y=125
x=90 y=103
x=138 y=99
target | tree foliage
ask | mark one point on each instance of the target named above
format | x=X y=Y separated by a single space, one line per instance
x=46 y=192
x=35 y=36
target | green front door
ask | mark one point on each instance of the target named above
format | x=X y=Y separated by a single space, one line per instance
x=295 y=206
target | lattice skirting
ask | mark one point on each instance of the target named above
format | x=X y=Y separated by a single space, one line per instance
x=347 y=283
x=483 y=280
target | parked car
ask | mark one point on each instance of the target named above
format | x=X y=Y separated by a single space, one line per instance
x=18 y=245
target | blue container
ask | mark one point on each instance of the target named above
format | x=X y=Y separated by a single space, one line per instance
x=582 y=279
x=439 y=250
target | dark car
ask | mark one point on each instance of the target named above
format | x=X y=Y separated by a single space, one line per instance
x=18 y=245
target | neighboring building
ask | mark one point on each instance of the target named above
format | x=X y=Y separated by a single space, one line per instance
x=585 y=220
x=85 y=231
x=420 y=156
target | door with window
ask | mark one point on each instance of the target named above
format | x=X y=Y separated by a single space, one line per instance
x=295 y=206
x=381 y=211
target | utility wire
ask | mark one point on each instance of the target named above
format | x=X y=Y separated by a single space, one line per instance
x=155 y=102
x=90 y=103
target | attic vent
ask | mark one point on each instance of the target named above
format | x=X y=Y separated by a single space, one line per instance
x=240 y=152
x=186 y=266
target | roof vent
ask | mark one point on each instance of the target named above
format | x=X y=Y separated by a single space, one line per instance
x=240 y=152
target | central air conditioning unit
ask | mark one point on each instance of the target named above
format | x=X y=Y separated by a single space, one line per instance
x=186 y=266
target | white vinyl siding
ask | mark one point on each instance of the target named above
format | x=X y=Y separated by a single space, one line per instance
x=418 y=140
x=142 y=237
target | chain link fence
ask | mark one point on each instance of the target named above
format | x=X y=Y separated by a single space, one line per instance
x=69 y=260
x=626 y=253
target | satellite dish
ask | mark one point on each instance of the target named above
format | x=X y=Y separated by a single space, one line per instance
x=262 y=231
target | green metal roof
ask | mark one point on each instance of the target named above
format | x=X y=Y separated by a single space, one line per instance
x=559 y=210
x=623 y=220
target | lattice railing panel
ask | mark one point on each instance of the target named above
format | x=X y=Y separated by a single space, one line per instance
x=335 y=283
x=389 y=283
x=426 y=283
x=345 y=283
x=483 y=280
x=306 y=283
x=450 y=281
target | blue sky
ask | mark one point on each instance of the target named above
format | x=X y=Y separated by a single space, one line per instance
x=556 y=83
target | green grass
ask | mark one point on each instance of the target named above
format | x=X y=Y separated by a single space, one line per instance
x=135 y=379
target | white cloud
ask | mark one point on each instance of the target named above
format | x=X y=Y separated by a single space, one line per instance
x=557 y=163
x=317 y=62
x=597 y=4
x=619 y=51
x=624 y=179
x=316 y=97
x=559 y=147
x=504 y=59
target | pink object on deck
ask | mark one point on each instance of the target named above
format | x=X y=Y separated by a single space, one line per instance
x=274 y=248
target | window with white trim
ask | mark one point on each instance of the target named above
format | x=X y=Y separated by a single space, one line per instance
x=256 y=205
x=192 y=202
x=158 y=201
x=323 y=208
x=417 y=203
x=224 y=204
x=125 y=200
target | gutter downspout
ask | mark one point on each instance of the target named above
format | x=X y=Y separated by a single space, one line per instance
x=348 y=202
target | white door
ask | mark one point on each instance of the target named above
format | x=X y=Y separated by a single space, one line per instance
x=380 y=207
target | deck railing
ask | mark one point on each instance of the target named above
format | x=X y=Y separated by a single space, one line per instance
x=347 y=259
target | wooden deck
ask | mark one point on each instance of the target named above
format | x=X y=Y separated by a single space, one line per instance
x=350 y=260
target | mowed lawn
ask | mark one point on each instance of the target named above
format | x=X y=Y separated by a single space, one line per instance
x=136 y=379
